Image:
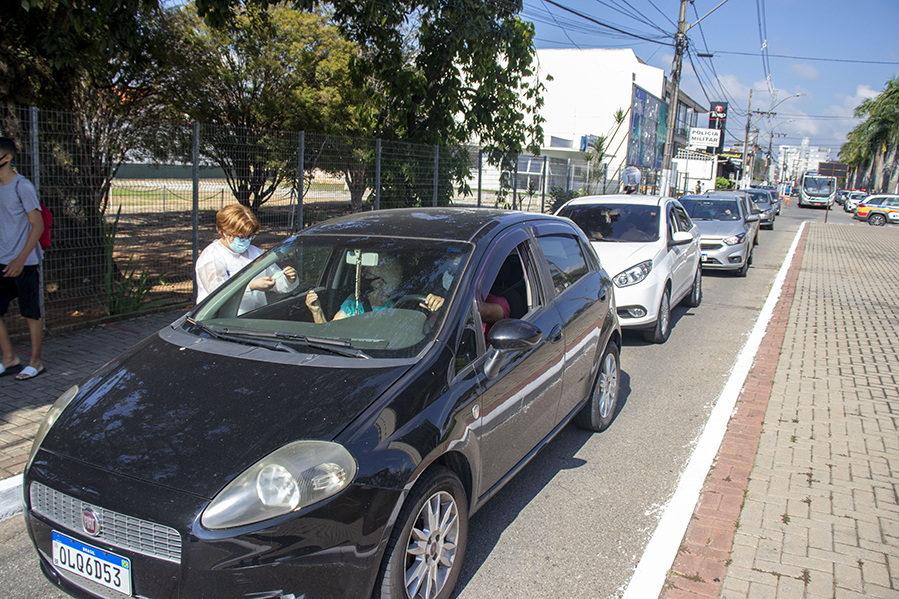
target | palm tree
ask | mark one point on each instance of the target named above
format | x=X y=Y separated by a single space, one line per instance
x=873 y=146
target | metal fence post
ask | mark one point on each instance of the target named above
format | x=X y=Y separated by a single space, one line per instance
x=195 y=142
x=543 y=189
x=515 y=185
x=480 y=173
x=301 y=178
x=568 y=178
x=36 y=181
x=436 y=166
x=378 y=174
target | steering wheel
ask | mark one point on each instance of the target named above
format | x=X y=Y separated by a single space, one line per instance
x=415 y=300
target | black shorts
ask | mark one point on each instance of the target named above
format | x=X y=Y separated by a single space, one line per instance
x=26 y=287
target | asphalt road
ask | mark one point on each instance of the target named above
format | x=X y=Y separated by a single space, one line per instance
x=575 y=521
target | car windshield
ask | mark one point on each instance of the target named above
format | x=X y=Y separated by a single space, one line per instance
x=615 y=222
x=700 y=209
x=759 y=197
x=369 y=290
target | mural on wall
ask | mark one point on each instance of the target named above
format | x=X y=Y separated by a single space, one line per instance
x=646 y=143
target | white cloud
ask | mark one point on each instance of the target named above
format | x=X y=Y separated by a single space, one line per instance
x=805 y=71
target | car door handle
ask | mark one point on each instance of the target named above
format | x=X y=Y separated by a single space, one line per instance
x=603 y=293
x=556 y=334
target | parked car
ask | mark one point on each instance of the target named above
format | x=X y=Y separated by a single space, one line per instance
x=853 y=199
x=727 y=231
x=841 y=196
x=878 y=209
x=747 y=207
x=767 y=211
x=266 y=455
x=652 y=247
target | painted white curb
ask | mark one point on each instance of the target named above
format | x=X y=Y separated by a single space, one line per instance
x=10 y=496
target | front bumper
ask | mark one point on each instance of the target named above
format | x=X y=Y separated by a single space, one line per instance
x=643 y=297
x=716 y=255
x=331 y=549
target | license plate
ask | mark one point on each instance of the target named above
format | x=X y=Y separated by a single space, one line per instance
x=104 y=568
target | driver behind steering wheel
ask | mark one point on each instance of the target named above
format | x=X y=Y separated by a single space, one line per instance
x=384 y=279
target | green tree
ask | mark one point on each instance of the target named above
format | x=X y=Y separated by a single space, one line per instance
x=266 y=73
x=873 y=146
x=436 y=72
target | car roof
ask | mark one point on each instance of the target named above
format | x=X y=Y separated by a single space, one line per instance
x=453 y=224
x=717 y=195
x=634 y=199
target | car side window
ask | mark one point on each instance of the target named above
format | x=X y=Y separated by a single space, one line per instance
x=672 y=223
x=566 y=259
x=683 y=219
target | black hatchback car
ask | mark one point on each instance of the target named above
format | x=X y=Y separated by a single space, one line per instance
x=263 y=454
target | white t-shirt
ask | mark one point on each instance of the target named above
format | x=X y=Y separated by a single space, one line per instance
x=217 y=263
x=17 y=199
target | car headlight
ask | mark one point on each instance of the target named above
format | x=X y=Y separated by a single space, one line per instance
x=734 y=239
x=286 y=480
x=49 y=419
x=633 y=275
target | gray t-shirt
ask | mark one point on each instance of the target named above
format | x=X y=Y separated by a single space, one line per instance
x=17 y=199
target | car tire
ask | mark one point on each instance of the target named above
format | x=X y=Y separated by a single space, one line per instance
x=599 y=411
x=695 y=296
x=877 y=220
x=743 y=270
x=660 y=332
x=430 y=558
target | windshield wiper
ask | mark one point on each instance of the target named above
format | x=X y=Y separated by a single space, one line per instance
x=224 y=336
x=203 y=328
x=341 y=348
x=338 y=347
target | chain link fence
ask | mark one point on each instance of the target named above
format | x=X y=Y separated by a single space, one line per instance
x=134 y=202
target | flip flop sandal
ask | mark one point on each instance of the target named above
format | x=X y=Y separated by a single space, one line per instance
x=29 y=372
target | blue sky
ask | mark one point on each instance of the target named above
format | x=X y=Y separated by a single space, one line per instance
x=836 y=51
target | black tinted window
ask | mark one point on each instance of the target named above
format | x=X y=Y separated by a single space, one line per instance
x=565 y=256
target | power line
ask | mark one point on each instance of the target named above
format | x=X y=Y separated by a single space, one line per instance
x=808 y=58
x=606 y=25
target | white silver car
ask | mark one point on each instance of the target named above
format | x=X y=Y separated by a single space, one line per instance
x=651 y=248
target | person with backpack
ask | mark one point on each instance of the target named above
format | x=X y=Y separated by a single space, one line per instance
x=21 y=227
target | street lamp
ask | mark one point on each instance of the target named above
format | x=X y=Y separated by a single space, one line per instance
x=769 y=112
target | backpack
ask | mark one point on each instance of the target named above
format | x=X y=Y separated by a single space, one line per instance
x=47 y=218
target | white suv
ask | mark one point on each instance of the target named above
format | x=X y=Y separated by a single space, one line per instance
x=651 y=248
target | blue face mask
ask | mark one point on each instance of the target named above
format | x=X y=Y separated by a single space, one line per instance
x=240 y=245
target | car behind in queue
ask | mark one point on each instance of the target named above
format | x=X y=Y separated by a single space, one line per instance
x=651 y=248
x=727 y=228
x=262 y=454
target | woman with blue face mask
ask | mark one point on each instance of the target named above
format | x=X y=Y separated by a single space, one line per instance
x=224 y=257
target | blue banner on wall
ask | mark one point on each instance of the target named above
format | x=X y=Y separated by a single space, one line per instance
x=646 y=142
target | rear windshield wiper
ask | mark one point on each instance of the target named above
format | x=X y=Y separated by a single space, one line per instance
x=225 y=337
x=341 y=348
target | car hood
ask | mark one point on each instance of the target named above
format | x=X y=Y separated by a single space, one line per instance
x=192 y=419
x=616 y=257
x=719 y=228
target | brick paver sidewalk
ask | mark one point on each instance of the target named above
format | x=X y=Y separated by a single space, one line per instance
x=803 y=501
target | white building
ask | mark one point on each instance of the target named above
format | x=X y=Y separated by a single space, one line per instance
x=584 y=91
x=795 y=160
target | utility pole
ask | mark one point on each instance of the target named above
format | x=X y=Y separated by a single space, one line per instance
x=680 y=42
x=744 y=182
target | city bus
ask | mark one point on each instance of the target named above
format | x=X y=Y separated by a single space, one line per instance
x=817 y=190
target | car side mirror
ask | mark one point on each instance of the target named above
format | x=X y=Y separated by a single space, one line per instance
x=751 y=218
x=507 y=336
x=681 y=238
